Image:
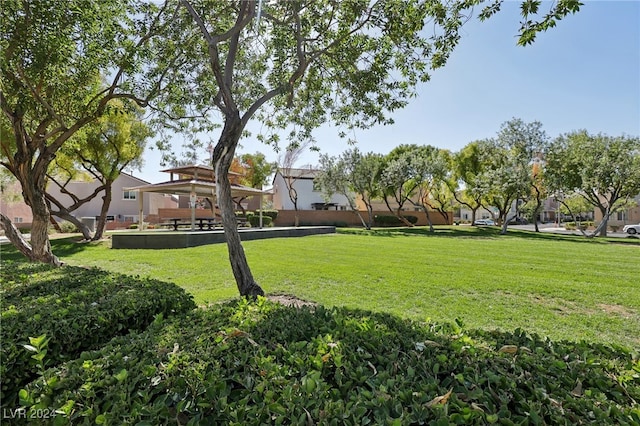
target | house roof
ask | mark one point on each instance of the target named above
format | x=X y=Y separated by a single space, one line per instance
x=299 y=173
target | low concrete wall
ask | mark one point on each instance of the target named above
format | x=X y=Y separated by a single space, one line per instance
x=349 y=218
x=166 y=240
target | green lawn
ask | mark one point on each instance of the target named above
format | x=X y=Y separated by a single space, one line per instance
x=557 y=286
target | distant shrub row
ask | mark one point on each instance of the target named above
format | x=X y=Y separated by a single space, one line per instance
x=389 y=220
x=584 y=225
x=77 y=309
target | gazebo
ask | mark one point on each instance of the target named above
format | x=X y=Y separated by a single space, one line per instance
x=194 y=181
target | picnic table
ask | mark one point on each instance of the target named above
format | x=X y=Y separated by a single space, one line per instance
x=201 y=222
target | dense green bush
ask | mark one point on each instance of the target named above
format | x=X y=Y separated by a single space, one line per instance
x=273 y=214
x=67 y=227
x=263 y=363
x=389 y=220
x=254 y=220
x=77 y=309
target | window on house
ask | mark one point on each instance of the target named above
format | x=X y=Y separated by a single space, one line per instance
x=128 y=195
x=17 y=220
x=620 y=215
x=130 y=218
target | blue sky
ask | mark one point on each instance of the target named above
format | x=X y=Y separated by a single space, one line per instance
x=583 y=74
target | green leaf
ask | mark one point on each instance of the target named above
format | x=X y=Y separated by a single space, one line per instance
x=121 y=375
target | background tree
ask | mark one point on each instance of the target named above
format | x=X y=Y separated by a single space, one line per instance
x=398 y=178
x=510 y=175
x=604 y=170
x=256 y=171
x=364 y=170
x=352 y=174
x=295 y=65
x=431 y=168
x=286 y=167
x=335 y=178
x=468 y=165
x=106 y=147
x=53 y=60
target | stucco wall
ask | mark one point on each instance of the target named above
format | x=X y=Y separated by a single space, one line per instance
x=332 y=217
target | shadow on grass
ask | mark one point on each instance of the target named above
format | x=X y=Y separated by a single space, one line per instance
x=61 y=247
x=482 y=232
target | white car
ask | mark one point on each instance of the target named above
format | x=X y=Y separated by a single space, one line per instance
x=631 y=229
x=485 y=222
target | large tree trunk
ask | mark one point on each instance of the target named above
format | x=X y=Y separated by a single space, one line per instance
x=222 y=158
x=15 y=236
x=102 y=220
x=40 y=249
x=426 y=212
x=370 y=214
x=83 y=228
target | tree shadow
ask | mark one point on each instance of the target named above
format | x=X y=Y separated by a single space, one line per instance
x=61 y=247
x=483 y=232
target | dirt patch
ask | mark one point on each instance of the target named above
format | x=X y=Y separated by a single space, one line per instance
x=290 y=300
x=616 y=309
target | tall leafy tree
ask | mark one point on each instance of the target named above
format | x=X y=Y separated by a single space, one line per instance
x=604 y=170
x=510 y=175
x=398 y=179
x=365 y=170
x=335 y=178
x=255 y=170
x=286 y=166
x=296 y=65
x=467 y=185
x=352 y=174
x=431 y=170
x=103 y=149
x=61 y=65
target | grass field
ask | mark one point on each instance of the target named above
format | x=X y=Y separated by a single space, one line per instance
x=563 y=287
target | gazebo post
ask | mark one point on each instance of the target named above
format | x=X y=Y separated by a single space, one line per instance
x=260 y=208
x=140 y=211
x=192 y=204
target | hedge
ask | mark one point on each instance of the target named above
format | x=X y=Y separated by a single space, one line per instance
x=242 y=363
x=76 y=309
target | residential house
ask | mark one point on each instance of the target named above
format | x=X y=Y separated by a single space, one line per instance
x=623 y=217
x=124 y=208
x=310 y=196
x=12 y=205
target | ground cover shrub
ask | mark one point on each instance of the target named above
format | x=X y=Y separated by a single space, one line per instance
x=264 y=363
x=76 y=309
x=389 y=220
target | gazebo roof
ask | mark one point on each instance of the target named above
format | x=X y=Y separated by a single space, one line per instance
x=198 y=171
x=202 y=188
